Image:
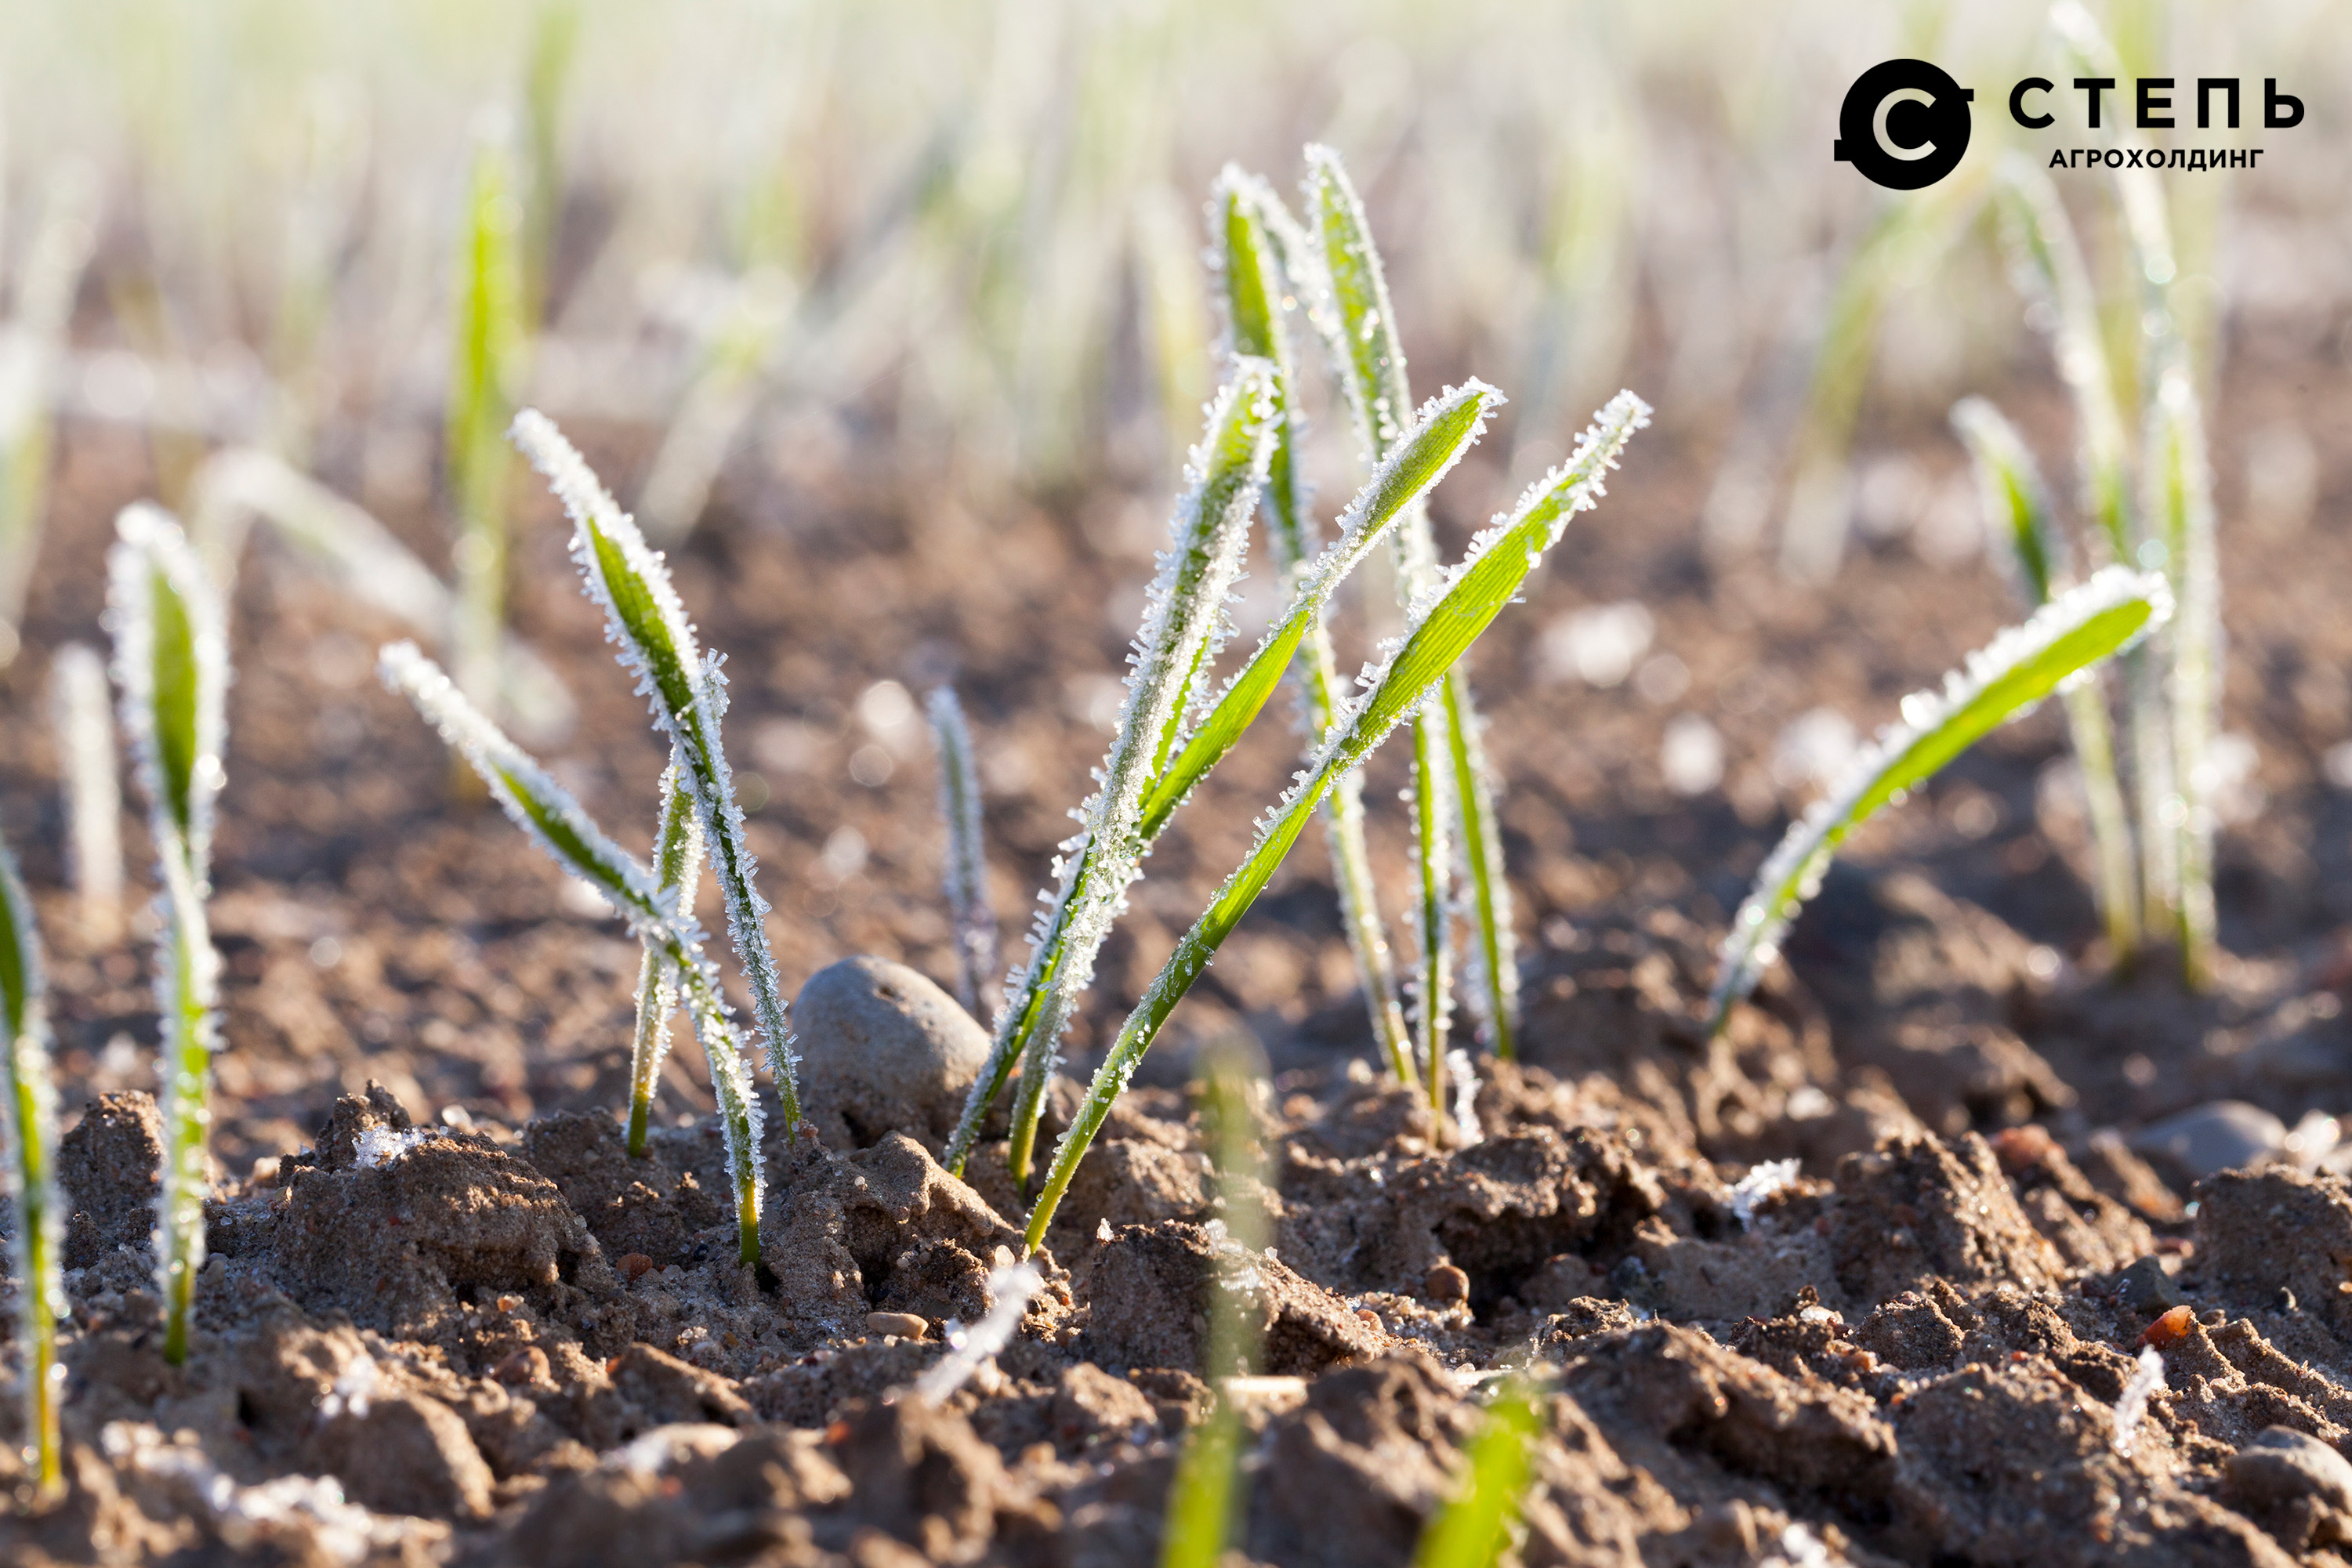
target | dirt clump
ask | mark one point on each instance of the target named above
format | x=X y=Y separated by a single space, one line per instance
x=108 y=1167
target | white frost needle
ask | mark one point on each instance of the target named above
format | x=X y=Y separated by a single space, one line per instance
x=2131 y=1404
x=85 y=731
x=2025 y=664
x=1011 y=1288
x=545 y=810
x=688 y=698
x=1443 y=624
x=971 y=921
x=28 y=1111
x=170 y=663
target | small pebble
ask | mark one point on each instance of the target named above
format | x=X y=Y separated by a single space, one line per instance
x=2283 y=1465
x=906 y=1325
x=265 y=1171
x=526 y=1366
x=635 y=1266
x=1446 y=1283
x=509 y=1303
x=1371 y=1320
x=883 y=1050
x=2224 y=1135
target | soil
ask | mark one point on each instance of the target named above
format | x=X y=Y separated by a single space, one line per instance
x=446 y=1319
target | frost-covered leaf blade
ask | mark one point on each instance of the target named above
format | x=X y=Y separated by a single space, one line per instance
x=687 y=695
x=1183 y=614
x=545 y=810
x=2114 y=610
x=1395 y=689
x=28 y=1115
x=1446 y=429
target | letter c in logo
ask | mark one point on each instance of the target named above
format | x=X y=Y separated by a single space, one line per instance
x=1904 y=125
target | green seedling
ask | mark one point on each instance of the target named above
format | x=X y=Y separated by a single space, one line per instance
x=1453 y=795
x=2018 y=511
x=688 y=696
x=971 y=921
x=485 y=369
x=1206 y=1493
x=547 y=72
x=1472 y=1529
x=678 y=871
x=2179 y=510
x=543 y=809
x=1445 y=625
x=28 y=1103
x=1183 y=619
x=1244 y=213
x=2071 y=634
x=170 y=663
x=1448 y=426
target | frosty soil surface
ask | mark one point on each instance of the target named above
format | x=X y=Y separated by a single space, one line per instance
x=448 y=1320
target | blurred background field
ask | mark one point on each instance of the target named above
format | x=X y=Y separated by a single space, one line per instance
x=893 y=318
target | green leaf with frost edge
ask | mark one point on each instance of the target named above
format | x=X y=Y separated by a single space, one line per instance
x=1440 y=627
x=171 y=665
x=545 y=810
x=2103 y=616
x=689 y=697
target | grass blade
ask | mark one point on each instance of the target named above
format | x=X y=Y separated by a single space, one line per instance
x=2017 y=508
x=1450 y=424
x=1180 y=620
x=1442 y=625
x=1358 y=327
x=1492 y=978
x=1206 y=1493
x=677 y=869
x=30 y=1110
x=2046 y=262
x=1472 y=1529
x=172 y=663
x=2180 y=514
x=484 y=371
x=546 y=811
x=970 y=919
x=689 y=695
x=2025 y=664
x=1248 y=217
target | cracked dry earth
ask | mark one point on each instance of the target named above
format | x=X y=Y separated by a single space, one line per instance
x=493 y=1345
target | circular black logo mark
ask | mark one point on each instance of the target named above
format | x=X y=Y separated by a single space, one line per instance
x=1905 y=124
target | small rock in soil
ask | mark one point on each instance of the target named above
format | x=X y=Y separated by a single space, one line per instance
x=883 y=1050
x=2225 y=1136
x=106 y=1165
x=2295 y=1485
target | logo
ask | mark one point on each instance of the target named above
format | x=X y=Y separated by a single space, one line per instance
x=1905 y=124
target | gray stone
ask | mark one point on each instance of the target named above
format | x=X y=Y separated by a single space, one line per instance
x=2282 y=1465
x=2224 y=1135
x=2147 y=1289
x=883 y=1050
